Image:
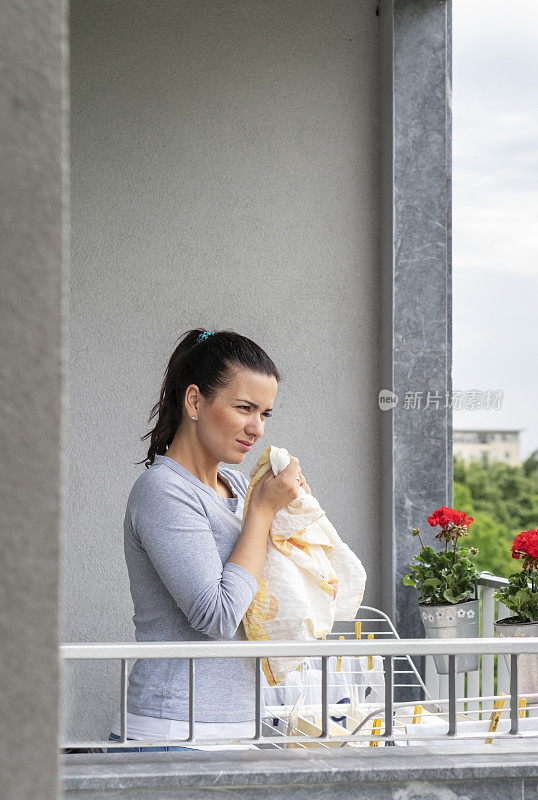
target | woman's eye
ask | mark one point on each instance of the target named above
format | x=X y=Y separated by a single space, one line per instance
x=265 y=413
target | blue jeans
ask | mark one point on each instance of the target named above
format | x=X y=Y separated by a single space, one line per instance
x=114 y=738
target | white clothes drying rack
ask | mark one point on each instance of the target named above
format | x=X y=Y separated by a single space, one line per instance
x=356 y=693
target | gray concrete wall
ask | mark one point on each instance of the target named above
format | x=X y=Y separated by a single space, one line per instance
x=225 y=173
x=33 y=209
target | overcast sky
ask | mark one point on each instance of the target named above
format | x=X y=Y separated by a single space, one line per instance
x=495 y=211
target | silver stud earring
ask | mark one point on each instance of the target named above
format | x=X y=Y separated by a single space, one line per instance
x=194 y=418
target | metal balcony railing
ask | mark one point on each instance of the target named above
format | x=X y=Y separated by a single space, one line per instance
x=456 y=706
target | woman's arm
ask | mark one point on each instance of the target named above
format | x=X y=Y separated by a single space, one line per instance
x=251 y=547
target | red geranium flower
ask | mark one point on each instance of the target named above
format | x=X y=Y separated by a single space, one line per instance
x=444 y=516
x=526 y=545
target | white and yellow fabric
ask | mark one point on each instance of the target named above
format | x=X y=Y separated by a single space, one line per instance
x=310 y=576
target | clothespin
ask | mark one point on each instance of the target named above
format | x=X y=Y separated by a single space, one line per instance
x=370 y=658
x=294 y=713
x=355 y=714
x=522 y=707
x=339 y=659
x=303 y=672
x=417 y=715
x=498 y=705
x=358 y=629
x=376 y=731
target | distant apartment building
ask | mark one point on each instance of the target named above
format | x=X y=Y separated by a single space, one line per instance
x=487 y=445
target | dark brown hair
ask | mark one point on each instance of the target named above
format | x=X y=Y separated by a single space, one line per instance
x=209 y=364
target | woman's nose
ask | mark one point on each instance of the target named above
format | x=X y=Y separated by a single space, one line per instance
x=255 y=427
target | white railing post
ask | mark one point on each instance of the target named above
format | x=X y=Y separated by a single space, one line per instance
x=488 y=665
x=389 y=694
x=192 y=704
x=258 y=700
x=452 y=727
x=324 y=697
x=123 y=709
x=514 y=695
x=503 y=675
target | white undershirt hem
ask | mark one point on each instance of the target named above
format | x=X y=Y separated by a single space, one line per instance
x=159 y=728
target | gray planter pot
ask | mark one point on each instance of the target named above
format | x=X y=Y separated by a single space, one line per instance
x=457 y=621
x=527 y=664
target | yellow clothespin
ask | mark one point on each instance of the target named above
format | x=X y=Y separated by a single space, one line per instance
x=339 y=659
x=522 y=707
x=417 y=715
x=358 y=629
x=495 y=717
x=370 y=658
x=376 y=731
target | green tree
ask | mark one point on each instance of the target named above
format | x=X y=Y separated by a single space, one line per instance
x=503 y=500
x=493 y=543
x=530 y=469
x=459 y=471
x=463 y=500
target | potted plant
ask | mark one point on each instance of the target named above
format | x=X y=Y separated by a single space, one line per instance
x=446 y=580
x=521 y=597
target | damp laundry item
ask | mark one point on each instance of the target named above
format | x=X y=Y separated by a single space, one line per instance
x=369 y=680
x=308 y=681
x=369 y=685
x=310 y=577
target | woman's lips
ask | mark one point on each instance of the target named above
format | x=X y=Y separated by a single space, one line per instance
x=244 y=445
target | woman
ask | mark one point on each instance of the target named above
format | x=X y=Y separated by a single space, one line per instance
x=193 y=567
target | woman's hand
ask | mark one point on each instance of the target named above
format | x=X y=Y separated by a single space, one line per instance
x=268 y=496
x=273 y=493
x=304 y=484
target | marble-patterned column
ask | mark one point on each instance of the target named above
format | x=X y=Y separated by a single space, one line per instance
x=416 y=327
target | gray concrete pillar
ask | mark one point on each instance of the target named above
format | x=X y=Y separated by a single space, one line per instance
x=416 y=330
x=33 y=234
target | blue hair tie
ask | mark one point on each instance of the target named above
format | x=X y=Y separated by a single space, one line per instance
x=203 y=336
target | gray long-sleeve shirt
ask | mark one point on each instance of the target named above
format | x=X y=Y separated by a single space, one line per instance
x=178 y=536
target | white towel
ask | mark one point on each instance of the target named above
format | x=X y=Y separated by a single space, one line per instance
x=310 y=576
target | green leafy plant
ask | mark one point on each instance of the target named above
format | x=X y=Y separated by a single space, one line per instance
x=447 y=576
x=521 y=594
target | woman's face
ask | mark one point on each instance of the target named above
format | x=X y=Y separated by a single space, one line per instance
x=237 y=414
